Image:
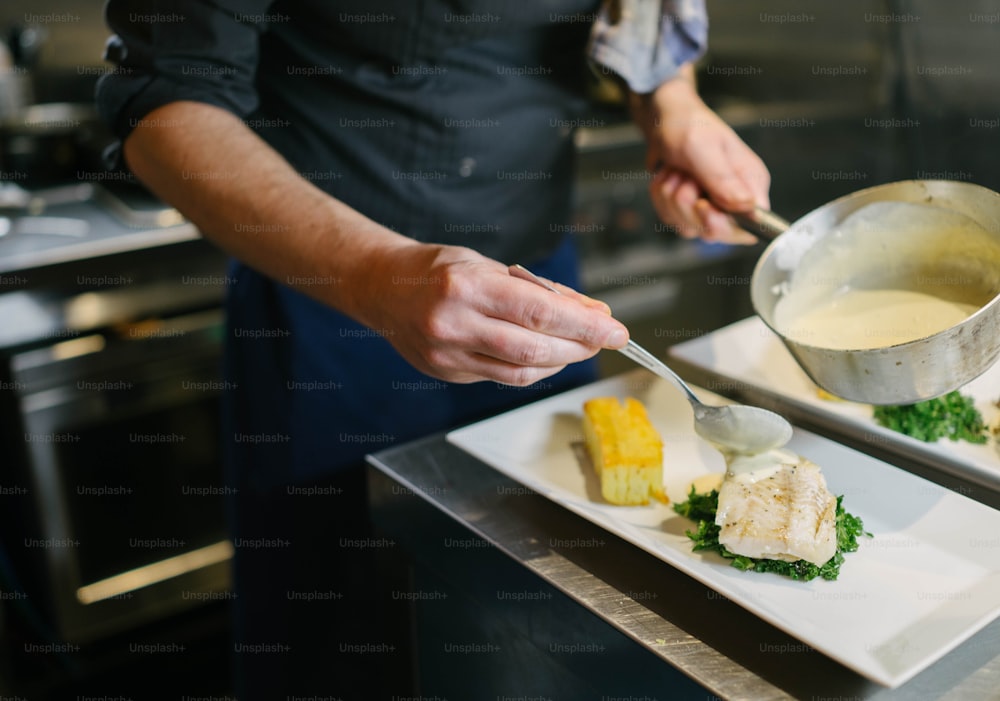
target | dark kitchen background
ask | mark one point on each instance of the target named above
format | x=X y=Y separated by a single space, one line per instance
x=113 y=555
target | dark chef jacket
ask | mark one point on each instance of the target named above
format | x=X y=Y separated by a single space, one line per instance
x=451 y=123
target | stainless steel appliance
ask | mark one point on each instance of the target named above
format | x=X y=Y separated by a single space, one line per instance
x=111 y=476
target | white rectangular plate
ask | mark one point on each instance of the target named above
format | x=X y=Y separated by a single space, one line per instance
x=928 y=580
x=750 y=354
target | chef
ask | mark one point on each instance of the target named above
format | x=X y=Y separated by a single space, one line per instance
x=373 y=166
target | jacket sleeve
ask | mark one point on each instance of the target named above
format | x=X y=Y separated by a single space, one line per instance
x=645 y=42
x=198 y=50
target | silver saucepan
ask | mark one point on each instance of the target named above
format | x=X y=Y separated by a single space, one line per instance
x=944 y=241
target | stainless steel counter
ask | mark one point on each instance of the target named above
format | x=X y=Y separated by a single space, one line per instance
x=101 y=231
x=729 y=652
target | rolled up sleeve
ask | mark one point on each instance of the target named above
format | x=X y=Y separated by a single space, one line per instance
x=645 y=42
x=166 y=52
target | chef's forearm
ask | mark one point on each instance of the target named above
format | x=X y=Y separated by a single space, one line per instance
x=671 y=100
x=248 y=200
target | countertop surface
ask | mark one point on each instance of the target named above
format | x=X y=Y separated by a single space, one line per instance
x=88 y=221
x=729 y=651
x=82 y=257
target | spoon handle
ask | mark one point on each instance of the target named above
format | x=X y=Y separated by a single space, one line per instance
x=632 y=350
x=643 y=357
x=762 y=223
x=519 y=271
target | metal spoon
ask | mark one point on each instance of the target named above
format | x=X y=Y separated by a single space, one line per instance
x=735 y=428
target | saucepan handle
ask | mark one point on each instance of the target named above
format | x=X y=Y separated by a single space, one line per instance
x=761 y=222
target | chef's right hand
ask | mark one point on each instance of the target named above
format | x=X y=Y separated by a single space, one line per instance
x=702 y=168
x=461 y=317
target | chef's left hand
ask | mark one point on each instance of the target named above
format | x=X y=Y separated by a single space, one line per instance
x=701 y=168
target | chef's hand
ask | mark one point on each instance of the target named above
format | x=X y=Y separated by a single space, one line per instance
x=459 y=316
x=701 y=168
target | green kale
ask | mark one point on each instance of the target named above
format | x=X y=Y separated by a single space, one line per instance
x=701 y=509
x=952 y=416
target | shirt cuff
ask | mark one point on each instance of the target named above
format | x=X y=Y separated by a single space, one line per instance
x=201 y=51
x=646 y=42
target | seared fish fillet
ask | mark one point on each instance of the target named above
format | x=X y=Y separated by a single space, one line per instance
x=776 y=505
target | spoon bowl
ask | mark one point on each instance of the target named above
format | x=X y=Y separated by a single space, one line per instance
x=742 y=429
x=734 y=428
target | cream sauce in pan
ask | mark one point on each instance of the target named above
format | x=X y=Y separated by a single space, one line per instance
x=891 y=273
x=861 y=319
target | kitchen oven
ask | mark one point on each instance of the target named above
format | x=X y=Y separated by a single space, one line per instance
x=113 y=484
